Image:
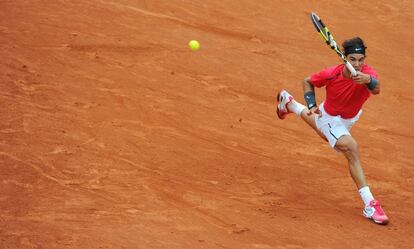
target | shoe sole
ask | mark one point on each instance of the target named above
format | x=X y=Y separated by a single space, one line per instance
x=385 y=222
x=277 y=109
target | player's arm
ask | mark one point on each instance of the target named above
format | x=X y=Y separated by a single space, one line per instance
x=309 y=93
x=370 y=82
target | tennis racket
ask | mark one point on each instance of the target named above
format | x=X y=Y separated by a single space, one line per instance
x=328 y=38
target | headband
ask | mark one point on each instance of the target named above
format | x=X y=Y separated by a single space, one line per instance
x=355 y=49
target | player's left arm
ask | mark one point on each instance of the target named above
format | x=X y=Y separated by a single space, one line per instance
x=370 y=82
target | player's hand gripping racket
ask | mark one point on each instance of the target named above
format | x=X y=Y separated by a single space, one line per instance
x=327 y=36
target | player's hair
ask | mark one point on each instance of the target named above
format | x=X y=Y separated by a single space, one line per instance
x=350 y=45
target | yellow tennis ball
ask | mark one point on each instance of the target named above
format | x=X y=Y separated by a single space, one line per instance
x=194 y=45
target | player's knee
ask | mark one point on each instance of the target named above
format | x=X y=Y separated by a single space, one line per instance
x=347 y=144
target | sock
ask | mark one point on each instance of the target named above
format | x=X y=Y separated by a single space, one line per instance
x=296 y=107
x=366 y=195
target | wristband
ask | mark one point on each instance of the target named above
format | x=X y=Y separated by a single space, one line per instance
x=372 y=84
x=310 y=99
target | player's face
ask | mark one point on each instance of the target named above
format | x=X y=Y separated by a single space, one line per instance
x=356 y=60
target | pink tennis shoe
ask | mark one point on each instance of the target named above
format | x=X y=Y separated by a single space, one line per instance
x=375 y=213
x=283 y=99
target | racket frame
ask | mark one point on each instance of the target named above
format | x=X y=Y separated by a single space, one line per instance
x=330 y=41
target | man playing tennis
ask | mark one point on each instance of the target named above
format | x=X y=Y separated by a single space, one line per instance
x=333 y=119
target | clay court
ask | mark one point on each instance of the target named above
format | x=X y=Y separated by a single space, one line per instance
x=114 y=134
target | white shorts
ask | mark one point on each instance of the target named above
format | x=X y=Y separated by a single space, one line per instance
x=334 y=127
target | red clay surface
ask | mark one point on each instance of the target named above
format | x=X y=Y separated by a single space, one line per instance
x=113 y=134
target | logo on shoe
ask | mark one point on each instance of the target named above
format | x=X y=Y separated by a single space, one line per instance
x=369 y=211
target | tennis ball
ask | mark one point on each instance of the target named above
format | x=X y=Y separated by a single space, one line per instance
x=194 y=45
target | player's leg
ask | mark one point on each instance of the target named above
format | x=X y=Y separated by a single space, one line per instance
x=287 y=104
x=373 y=210
x=310 y=120
x=336 y=131
x=349 y=147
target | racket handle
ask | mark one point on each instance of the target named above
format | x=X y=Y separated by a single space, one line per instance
x=351 y=68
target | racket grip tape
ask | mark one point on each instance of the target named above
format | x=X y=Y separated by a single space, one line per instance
x=351 y=68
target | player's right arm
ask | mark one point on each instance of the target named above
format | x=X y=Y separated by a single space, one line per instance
x=370 y=81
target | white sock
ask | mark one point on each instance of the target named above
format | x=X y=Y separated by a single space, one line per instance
x=366 y=195
x=296 y=107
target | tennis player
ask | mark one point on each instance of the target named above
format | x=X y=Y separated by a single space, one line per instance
x=334 y=117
